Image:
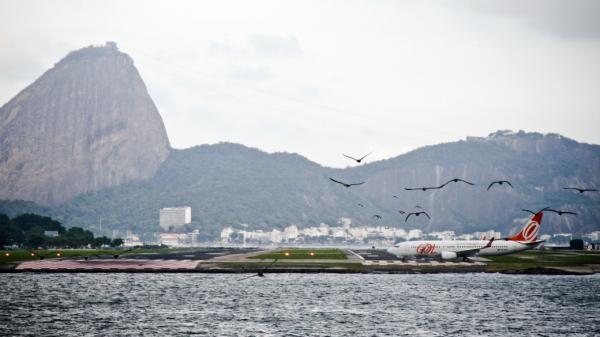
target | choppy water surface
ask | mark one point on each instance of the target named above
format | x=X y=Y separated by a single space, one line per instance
x=298 y=305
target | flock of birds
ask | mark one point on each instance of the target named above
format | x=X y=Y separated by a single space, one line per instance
x=420 y=210
x=455 y=180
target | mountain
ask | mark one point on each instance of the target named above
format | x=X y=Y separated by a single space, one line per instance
x=85 y=144
x=538 y=165
x=230 y=184
x=225 y=184
x=85 y=125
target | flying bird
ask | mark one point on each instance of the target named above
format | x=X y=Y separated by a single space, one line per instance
x=534 y=213
x=395 y=196
x=416 y=214
x=581 y=190
x=357 y=160
x=455 y=180
x=377 y=216
x=360 y=205
x=260 y=272
x=499 y=182
x=422 y=188
x=401 y=212
x=559 y=212
x=345 y=184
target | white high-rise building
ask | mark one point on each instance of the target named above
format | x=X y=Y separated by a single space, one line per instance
x=174 y=217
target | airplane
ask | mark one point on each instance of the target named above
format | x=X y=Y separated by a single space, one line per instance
x=454 y=249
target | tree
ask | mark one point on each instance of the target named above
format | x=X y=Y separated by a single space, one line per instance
x=99 y=242
x=79 y=237
x=28 y=221
x=35 y=238
x=116 y=242
x=10 y=233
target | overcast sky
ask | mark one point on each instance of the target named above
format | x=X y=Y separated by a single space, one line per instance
x=322 y=78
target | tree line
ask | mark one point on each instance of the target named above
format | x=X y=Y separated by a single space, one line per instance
x=27 y=231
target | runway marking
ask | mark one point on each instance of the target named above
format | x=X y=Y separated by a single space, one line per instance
x=357 y=255
x=122 y=264
x=415 y=263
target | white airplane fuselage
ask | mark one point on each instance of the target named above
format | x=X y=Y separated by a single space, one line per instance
x=451 y=249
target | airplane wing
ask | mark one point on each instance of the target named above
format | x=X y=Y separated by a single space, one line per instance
x=473 y=251
x=468 y=252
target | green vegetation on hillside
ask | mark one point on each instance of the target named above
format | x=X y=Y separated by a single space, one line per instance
x=232 y=185
x=27 y=230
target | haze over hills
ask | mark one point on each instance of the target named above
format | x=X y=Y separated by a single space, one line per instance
x=98 y=152
x=86 y=124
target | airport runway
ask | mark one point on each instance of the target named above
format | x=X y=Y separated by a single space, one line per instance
x=196 y=254
x=375 y=254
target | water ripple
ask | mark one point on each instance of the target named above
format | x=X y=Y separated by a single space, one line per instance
x=298 y=305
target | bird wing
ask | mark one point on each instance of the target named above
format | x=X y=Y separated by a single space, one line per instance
x=591 y=190
x=408 y=216
x=365 y=156
x=339 y=182
x=411 y=189
x=492 y=184
x=526 y=210
x=466 y=182
x=349 y=157
x=395 y=196
x=559 y=212
x=508 y=183
x=446 y=183
x=356 y=184
x=426 y=215
x=570 y=188
x=401 y=212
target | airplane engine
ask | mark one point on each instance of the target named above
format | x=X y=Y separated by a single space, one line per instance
x=449 y=255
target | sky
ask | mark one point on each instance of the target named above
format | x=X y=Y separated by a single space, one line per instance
x=322 y=78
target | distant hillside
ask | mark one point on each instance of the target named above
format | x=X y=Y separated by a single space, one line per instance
x=225 y=184
x=539 y=166
x=230 y=184
x=86 y=124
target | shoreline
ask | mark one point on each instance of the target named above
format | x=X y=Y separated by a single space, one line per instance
x=311 y=270
x=301 y=260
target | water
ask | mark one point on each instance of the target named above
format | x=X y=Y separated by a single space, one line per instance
x=298 y=305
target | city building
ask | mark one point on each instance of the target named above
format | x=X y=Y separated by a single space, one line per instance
x=171 y=218
x=51 y=234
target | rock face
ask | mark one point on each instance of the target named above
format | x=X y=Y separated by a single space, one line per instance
x=84 y=125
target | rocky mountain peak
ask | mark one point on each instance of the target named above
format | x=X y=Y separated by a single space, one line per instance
x=84 y=125
x=527 y=142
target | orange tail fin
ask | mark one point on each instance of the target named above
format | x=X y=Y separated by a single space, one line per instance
x=530 y=231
